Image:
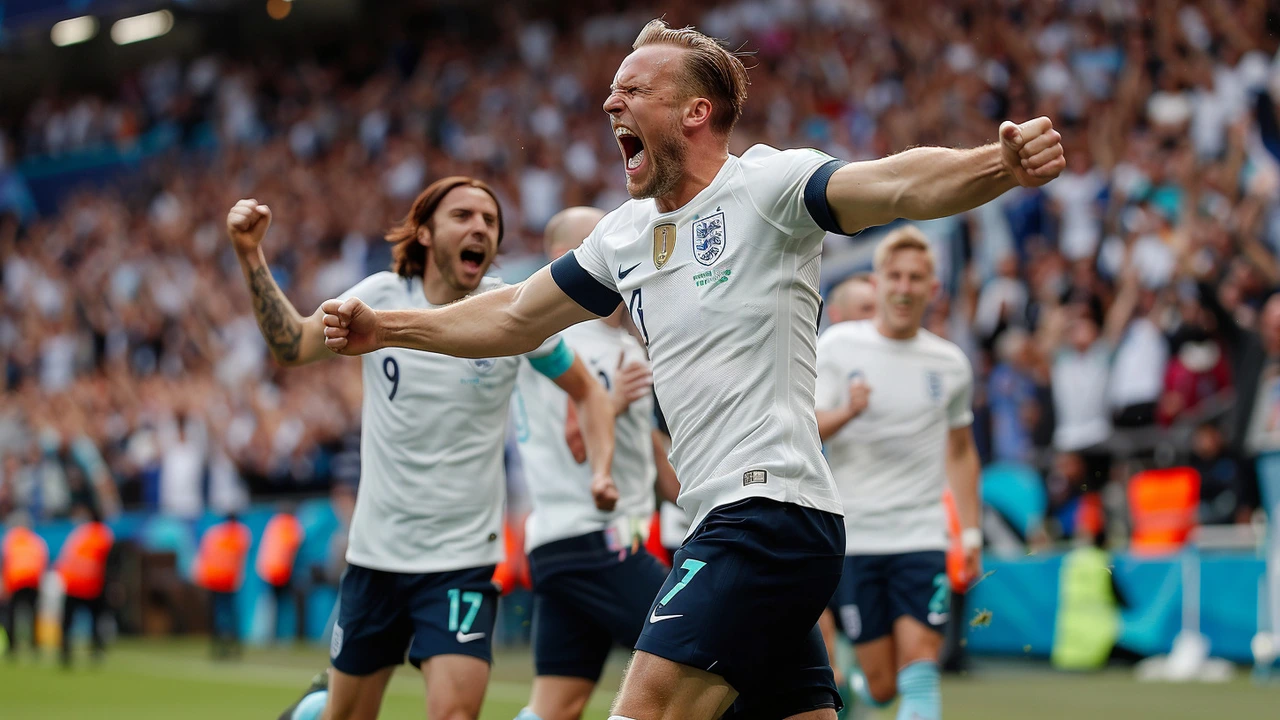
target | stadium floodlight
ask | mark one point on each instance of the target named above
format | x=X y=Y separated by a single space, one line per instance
x=141 y=27
x=74 y=30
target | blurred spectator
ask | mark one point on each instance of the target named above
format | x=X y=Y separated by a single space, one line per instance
x=1222 y=478
x=1013 y=397
x=1083 y=349
x=123 y=310
x=1197 y=372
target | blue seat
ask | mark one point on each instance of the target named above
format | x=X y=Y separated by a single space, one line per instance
x=1017 y=493
x=167 y=534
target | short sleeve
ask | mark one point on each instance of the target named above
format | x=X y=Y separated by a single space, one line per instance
x=585 y=276
x=376 y=289
x=832 y=384
x=960 y=408
x=789 y=187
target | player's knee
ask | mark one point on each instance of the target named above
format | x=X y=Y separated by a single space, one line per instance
x=882 y=687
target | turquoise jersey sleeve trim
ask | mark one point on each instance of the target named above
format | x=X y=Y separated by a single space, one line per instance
x=555 y=363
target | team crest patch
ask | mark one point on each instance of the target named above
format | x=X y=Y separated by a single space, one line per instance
x=664 y=244
x=483 y=366
x=709 y=238
x=933 y=382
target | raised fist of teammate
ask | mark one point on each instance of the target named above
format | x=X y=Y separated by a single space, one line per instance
x=247 y=223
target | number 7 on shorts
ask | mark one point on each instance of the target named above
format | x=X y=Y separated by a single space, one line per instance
x=692 y=567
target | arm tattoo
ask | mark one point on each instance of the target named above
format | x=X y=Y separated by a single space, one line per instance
x=275 y=316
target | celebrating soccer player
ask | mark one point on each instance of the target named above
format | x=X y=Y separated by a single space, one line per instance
x=891 y=463
x=427 y=529
x=716 y=258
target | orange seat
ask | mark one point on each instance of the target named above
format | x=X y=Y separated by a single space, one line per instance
x=1163 y=506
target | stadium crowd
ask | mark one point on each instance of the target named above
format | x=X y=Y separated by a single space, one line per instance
x=1129 y=295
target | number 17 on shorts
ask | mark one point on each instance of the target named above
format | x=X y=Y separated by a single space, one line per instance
x=463 y=608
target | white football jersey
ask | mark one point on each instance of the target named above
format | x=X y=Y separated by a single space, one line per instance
x=432 y=481
x=890 y=461
x=725 y=291
x=559 y=487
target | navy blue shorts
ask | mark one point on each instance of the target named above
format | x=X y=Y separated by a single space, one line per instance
x=743 y=601
x=384 y=616
x=876 y=590
x=586 y=598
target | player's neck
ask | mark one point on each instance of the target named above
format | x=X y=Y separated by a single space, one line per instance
x=438 y=291
x=701 y=168
x=906 y=334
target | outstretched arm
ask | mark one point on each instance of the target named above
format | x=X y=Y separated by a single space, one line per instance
x=292 y=339
x=929 y=182
x=508 y=321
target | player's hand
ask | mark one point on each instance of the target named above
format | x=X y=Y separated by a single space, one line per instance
x=604 y=492
x=1032 y=151
x=631 y=382
x=859 y=397
x=573 y=434
x=247 y=223
x=350 y=327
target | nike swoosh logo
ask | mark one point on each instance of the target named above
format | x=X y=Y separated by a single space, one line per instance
x=468 y=637
x=654 y=617
x=623 y=273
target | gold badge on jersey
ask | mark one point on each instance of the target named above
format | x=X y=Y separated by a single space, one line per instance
x=664 y=243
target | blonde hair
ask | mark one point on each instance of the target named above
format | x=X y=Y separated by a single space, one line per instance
x=907 y=237
x=709 y=70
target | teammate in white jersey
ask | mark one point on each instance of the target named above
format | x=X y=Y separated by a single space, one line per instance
x=853 y=299
x=593 y=581
x=717 y=259
x=427 y=528
x=892 y=462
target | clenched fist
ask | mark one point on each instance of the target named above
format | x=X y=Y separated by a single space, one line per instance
x=1032 y=151
x=247 y=223
x=604 y=492
x=350 y=327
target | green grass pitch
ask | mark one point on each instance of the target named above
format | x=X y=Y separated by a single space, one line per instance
x=163 y=680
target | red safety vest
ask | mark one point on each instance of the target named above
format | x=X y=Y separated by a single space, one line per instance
x=83 y=560
x=25 y=556
x=278 y=549
x=220 y=560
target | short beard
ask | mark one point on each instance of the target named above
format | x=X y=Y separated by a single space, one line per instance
x=444 y=265
x=666 y=155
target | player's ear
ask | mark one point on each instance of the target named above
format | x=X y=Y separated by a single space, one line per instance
x=697 y=113
x=424 y=235
x=935 y=287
